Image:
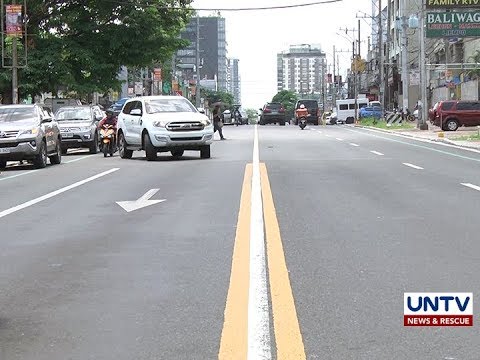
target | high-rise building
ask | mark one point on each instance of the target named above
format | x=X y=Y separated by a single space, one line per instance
x=233 y=80
x=302 y=69
x=212 y=54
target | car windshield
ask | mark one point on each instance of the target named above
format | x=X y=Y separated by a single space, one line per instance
x=169 y=106
x=73 y=114
x=16 y=114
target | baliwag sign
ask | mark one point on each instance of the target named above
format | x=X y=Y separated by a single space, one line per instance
x=450 y=24
x=438 y=309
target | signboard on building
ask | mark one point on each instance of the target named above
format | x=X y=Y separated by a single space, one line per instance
x=157 y=74
x=449 y=24
x=452 y=4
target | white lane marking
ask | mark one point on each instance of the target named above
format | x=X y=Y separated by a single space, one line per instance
x=33 y=171
x=376 y=153
x=319 y=131
x=328 y=135
x=54 y=193
x=413 y=166
x=259 y=346
x=81 y=158
x=339 y=139
x=353 y=144
x=17 y=175
x=471 y=186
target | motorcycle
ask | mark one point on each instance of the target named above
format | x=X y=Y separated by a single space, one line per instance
x=302 y=122
x=107 y=137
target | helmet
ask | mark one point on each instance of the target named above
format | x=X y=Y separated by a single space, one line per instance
x=109 y=112
x=302 y=106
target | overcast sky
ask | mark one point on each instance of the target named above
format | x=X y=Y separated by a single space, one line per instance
x=255 y=37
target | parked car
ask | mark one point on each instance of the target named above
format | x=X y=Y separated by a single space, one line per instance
x=272 y=113
x=163 y=124
x=452 y=114
x=78 y=127
x=327 y=118
x=227 y=117
x=371 y=112
x=313 y=110
x=29 y=132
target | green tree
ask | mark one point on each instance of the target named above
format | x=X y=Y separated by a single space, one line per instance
x=475 y=73
x=288 y=99
x=252 y=115
x=218 y=96
x=80 y=45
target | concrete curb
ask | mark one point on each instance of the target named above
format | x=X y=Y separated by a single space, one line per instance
x=439 y=140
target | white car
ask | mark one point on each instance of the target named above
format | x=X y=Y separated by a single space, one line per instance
x=163 y=124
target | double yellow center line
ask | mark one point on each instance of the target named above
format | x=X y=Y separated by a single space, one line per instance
x=288 y=338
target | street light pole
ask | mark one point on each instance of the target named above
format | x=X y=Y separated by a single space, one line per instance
x=197 y=87
x=14 y=67
x=423 y=108
x=404 y=25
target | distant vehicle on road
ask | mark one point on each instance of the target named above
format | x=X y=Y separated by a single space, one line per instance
x=163 y=124
x=346 y=109
x=78 y=127
x=371 y=112
x=29 y=132
x=272 y=113
x=313 y=110
x=327 y=118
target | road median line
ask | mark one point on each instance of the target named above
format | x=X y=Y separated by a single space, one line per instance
x=234 y=340
x=288 y=336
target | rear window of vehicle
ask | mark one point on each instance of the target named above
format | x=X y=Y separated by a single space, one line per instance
x=447 y=105
x=368 y=108
x=274 y=106
x=308 y=104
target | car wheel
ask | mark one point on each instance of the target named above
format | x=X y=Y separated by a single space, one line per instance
x=150 y=150
x=94 y=146
x=64 y=151
x=177 y=153
x=205 y=152
x=57 y=158
x=451 y=125
x=122 y=148
x=282 y=123
x=40 y=160
x=3 y=164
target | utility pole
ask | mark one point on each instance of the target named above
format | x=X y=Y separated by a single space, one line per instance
x=14 y=67
x=422 y=111
x=334 y=95
x=323 y=84
x=354 y=73
x=403 y=17
x=197 y=87
x=380 y=52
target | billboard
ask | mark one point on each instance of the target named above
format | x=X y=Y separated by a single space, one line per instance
x=13 y=20
x=452 y=24
x=451 y=4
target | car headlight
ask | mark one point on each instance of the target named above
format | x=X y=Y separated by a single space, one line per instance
x=205 y=122
x=160 y=123
x=29 y=131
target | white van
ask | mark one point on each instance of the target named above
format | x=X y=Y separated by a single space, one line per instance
x=346 y=109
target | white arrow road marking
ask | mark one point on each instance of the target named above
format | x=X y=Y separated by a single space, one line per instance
x=353 y=144
x=142 y=202
x=376 y=153
x=471 y=186
x=54 y=193
x=413 y=166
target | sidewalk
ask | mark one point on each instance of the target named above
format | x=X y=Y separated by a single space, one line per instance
x=434 y=133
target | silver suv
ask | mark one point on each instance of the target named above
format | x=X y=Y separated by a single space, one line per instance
x=29 y=132
x=78 y=126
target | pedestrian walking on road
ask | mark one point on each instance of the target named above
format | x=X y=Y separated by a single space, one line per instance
x=217 y=121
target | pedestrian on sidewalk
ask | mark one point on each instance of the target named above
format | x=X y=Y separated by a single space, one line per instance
x=217 y=121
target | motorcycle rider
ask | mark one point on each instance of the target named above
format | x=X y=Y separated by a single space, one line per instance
x=110 y=119
x=301 y=112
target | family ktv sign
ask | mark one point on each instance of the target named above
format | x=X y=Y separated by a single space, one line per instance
x=453 y=24
x=451 y=4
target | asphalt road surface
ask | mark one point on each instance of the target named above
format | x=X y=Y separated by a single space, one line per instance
x=286 y=244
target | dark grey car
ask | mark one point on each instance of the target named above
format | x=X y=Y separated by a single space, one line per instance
x=29 y=132
x=78 y=126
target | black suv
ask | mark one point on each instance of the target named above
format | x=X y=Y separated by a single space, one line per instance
x=272 y=113
x=312 y=107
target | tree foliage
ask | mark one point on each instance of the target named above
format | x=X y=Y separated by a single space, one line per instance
x=288 y=99
x=218 y=96
x=80 y=45
x=475 y=73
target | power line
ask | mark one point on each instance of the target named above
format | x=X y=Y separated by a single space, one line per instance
x=227 y=9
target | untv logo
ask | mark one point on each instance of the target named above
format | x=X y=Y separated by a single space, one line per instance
x=438 y=309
